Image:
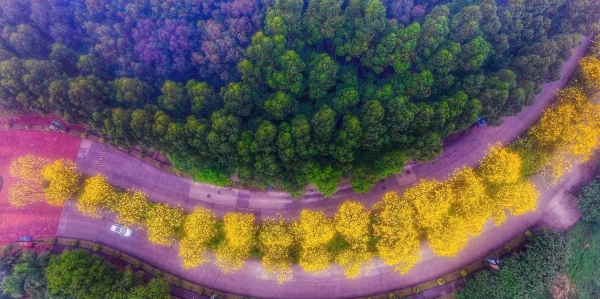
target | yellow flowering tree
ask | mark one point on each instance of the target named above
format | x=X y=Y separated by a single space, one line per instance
x=29 y=188
x=198 y=227
x=28 y=167
x=239 y=238
x=132 y=208
x=24 y=193
x=275 y=239
x=355 y=261
x=500 y=166
x=352 y=222
x=163 y=223
x=518 y=198
x=471 y=203
x=98 y=196
x=431 y=200
x=449 y=237
x=63 y=181
x=396 y=228
x=590 y=68
x=314 y=231
x=569 y=131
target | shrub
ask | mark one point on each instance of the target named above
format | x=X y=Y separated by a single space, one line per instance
x=138 y=265
x=96 y=247
x=74 y=243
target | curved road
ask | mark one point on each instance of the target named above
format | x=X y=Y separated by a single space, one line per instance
x=555 y=209
x=468 y=148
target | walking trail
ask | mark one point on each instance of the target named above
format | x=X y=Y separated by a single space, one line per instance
x=555 y=209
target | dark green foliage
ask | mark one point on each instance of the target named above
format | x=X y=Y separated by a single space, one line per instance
x=78 y=274
x=588 y=202
x=27 y=277
x=584 y=268
x=284 y=92
x=525 y=275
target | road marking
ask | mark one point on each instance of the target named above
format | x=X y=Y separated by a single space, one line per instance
x=100 y=159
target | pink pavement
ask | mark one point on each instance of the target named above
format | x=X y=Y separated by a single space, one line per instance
x=41 y=219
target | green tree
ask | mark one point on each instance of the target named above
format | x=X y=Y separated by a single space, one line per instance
x=130 y=91
x=27 y=277
x=81 y=275
x=374 y=131
x=287 y=74
x=322 y=77
x=280 y=105
x=202 y=97
x=237 y=99
x=173 y=98
x=588 y=202
x=322 y=19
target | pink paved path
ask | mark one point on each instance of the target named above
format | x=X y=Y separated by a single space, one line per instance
x=41 y=219
x=466 y=149
x=555 y=209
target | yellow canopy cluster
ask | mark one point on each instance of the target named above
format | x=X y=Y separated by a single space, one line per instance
x=199 y=227
x=63 y=181
x=314 y=231
x=132 y=208
x=395 y=226
x=29 y=188
x=239 y=238
x=569 y=131
x=163 y=222
x=98 y=196
x=352 y=221
x=275 y=238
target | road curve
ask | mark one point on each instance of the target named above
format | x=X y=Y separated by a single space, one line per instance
x=462 y=149
x=555 y=209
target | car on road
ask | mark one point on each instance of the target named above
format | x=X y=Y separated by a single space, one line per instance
x=121 y=230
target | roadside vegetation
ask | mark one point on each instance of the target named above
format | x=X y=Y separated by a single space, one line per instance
x=284 y=93
x=553 y=265
x=74 y=274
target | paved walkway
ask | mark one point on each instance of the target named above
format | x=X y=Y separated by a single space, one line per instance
x=555 y=209
x=125 y=171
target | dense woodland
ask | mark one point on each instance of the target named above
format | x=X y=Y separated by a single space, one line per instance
x=284 y=92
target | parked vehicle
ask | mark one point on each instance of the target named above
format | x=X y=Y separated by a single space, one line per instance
x=121 y=230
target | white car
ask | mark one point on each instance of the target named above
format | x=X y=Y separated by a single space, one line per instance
x=121 y=230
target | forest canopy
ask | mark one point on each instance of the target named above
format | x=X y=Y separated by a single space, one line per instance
x=284 y=92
